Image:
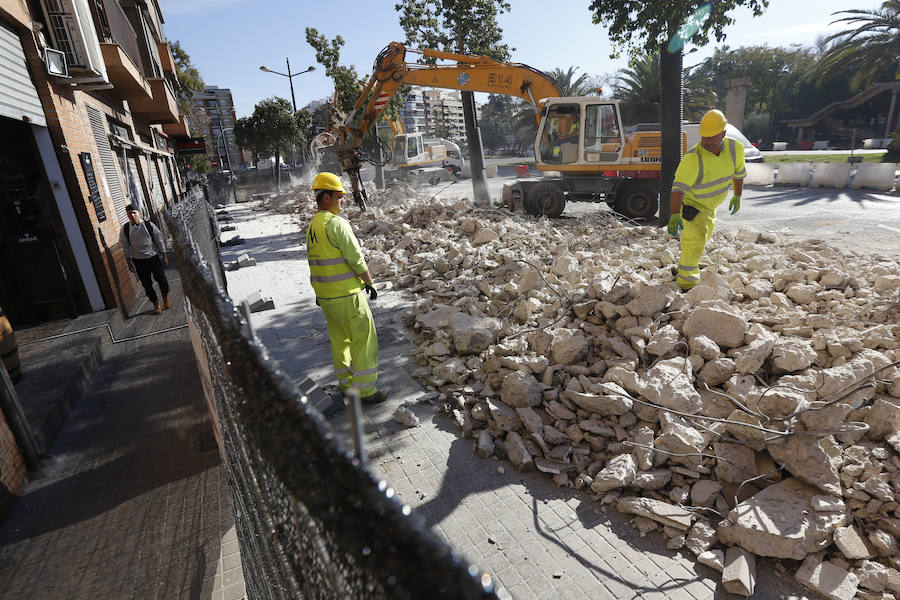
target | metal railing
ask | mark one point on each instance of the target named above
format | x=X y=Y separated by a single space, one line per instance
x=121 y=32
x=312 y=521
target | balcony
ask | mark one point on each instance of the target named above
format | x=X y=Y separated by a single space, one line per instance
x=166 y=59
x=161 y=108
x=177 y=130
x=127 y=80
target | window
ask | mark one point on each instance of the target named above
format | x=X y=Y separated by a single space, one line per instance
x=602 y=141
x=560 y=131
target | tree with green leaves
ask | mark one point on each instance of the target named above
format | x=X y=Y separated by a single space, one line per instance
x=638 y=90
x=346 y=79
x=869 y=49
x=664 y=27
x=495 y=121
x=189 y=79
x=869 y=46
x=569 y=85
x=462 y=27
x=271 y=129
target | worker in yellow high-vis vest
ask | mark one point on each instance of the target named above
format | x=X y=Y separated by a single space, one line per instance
x=702 y=181
x=339 y=276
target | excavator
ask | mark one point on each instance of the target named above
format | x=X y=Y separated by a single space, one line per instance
x=582 y=139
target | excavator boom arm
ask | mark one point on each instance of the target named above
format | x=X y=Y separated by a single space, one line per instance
x=470 y=73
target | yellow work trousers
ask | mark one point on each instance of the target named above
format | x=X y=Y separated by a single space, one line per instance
x=354 y=343
x=693 y=240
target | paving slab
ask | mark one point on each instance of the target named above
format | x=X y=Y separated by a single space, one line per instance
x=132 y=500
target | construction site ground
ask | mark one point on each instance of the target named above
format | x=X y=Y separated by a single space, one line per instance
x=132 y=502
x=538 y=540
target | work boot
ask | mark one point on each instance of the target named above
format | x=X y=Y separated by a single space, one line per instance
x=376 y=398
x=166 y=302
x=157 y=308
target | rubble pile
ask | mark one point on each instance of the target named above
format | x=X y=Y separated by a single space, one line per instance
x=757 y=415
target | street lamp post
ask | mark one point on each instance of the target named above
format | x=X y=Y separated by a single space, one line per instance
x=290 y=77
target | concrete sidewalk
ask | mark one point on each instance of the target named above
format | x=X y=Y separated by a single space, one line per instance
x=537 y=540
x=132 y=501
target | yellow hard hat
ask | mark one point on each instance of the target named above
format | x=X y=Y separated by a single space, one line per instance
x=327 y=181
x=713 y=123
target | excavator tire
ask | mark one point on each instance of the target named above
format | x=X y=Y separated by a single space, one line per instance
x=637 y=200
x=545 y=199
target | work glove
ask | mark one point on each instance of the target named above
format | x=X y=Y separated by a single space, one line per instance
x=735 y=204
x=371 y=291
x=675 y=225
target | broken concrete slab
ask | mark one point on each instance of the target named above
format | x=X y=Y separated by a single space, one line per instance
x=804 y=458
x=779 y=522
x=851 y=543
x=828 y=579
x=714 y=559
x=718 y=323
x=739 y=574
x=520 y=390
x=618 y=472
x=657 y=510
x=258 y=303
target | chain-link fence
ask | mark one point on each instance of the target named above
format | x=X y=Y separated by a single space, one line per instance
x=311 y=521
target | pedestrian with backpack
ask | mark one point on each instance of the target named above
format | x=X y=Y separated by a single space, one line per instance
x=146 y=255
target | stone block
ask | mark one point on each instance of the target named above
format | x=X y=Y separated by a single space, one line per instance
x=258 y=303
x=779 y=522
x=739 y=574
x=828 y=579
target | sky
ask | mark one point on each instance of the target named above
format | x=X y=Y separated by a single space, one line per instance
x=228 y=40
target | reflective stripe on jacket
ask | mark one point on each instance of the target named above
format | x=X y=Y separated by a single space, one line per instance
x=334 y=256
x=705 y=178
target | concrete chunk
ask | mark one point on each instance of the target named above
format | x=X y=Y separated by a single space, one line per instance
x=717 y=323
x=657 y=510
x=851 y=543
x=779 y=522
x=827 y=578
x=739 y=574
x=714 y=559
x=619 y=472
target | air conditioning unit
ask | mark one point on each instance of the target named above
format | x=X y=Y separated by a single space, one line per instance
x=71 y=27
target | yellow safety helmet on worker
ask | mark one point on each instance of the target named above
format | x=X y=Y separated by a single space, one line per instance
x=713 y=123
x=327 y=181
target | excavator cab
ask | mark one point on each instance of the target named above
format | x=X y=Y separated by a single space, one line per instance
x=576 y=134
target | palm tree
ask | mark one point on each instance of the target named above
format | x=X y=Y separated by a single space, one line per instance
x=569 y=85
x=638 y=87
x=870 y=46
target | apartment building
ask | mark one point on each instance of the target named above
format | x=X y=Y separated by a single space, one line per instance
x=89 y=121
x=413 y=112
x=218 y=105
x=444 y=111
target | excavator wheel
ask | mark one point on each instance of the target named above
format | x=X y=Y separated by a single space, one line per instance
x=545 y=199
x=637 y=200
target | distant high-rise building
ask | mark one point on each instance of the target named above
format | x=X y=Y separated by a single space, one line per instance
x=218 y=105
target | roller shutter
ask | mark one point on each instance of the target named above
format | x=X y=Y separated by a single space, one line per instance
x=18 y=97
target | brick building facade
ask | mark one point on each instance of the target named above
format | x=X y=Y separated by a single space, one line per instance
x=79 y=147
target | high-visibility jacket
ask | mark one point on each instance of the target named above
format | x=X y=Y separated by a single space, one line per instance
x=334 y=256
x=706 y=178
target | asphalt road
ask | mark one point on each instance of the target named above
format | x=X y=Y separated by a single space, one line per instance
x=867 y=221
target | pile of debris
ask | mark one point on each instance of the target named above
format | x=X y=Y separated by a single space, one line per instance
x=757 y=415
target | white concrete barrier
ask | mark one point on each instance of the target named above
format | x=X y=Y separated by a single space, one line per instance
x=872 y=143
x=793 y=174
x=760 y=174
x=879 y=176
x=491 y=170
x=779 y=146
x=820 y=145
x=834 y=175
